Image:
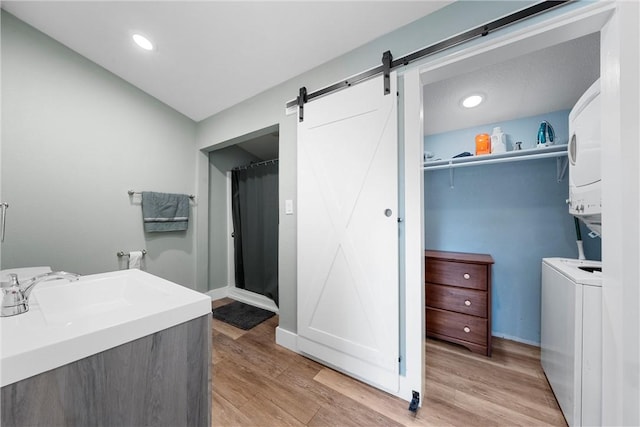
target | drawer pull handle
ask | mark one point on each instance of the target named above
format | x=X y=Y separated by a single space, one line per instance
x=466 y=329
x=466 y=276
x=467 y=302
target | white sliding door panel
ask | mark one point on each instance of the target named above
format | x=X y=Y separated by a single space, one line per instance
x=348 y=232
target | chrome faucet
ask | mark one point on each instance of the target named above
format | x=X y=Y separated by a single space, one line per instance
x=15 y=296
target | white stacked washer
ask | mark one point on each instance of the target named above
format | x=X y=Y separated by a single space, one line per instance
x=571 y=336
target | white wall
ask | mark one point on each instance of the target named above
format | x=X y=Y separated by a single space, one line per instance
x=75 y=138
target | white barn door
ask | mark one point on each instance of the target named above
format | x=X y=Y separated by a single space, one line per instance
x=348 y=232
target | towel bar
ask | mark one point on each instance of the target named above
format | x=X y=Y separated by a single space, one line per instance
x=121 y=253
x=131 y=193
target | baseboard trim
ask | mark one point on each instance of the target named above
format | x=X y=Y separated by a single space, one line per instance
x=516 y=339
x=287 y=339
x=252 y=298
x=244 y=296
x=218 y=293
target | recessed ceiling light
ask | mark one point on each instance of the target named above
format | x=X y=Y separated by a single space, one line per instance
x=472 y=101
x=143 y=42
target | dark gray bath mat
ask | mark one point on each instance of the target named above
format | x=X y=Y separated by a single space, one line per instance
x=241 y=315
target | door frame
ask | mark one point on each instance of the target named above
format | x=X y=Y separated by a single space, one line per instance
x=231 y=264
x=552 y=29
x=202 y=218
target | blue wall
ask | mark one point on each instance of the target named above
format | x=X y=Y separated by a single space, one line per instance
x=448 y=144
x=514 y=211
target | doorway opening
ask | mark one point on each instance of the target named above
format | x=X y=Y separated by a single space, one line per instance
x=495 y=203
x=519 y=41
x=243 y=219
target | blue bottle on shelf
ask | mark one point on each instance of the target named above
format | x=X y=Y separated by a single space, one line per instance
x=546 y=134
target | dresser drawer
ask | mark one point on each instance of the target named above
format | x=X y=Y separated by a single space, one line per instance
x=460 y=274
x=457 y=325
x=467 y=301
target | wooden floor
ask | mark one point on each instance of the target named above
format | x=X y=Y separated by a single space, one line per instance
x=258 y=383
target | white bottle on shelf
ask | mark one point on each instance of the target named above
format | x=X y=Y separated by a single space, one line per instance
x=498 y=141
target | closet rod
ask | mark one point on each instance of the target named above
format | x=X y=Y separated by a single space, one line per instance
x=251 y=165
x=479 y=31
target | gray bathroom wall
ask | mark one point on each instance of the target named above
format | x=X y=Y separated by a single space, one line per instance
x=268 y=107
x=75 y=138
x=220 y=162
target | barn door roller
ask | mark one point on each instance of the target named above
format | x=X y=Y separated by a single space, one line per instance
x=386 y=69
x=302 y=99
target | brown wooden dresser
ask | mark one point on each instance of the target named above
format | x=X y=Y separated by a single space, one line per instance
x=458 y=298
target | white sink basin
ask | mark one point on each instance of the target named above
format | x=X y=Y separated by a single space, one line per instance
x=68 y=321
x=63 y=301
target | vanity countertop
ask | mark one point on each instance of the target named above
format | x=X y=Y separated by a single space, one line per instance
x=68 y=321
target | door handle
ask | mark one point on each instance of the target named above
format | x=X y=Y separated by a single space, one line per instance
x=3 y=208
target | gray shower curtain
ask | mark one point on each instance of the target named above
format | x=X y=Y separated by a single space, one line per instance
x=255 y=226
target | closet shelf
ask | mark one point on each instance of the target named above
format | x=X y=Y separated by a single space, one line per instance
x=510 y=156
x=557 y=151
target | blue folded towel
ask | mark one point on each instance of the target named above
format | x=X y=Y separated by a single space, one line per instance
x=164 y=211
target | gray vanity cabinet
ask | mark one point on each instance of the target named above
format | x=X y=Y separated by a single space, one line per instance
x=162 y=379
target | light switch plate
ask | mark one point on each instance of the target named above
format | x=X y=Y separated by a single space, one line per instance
x=288 y=207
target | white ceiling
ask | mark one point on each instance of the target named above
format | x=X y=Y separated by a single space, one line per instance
x=213 y=54
x=548 y=80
